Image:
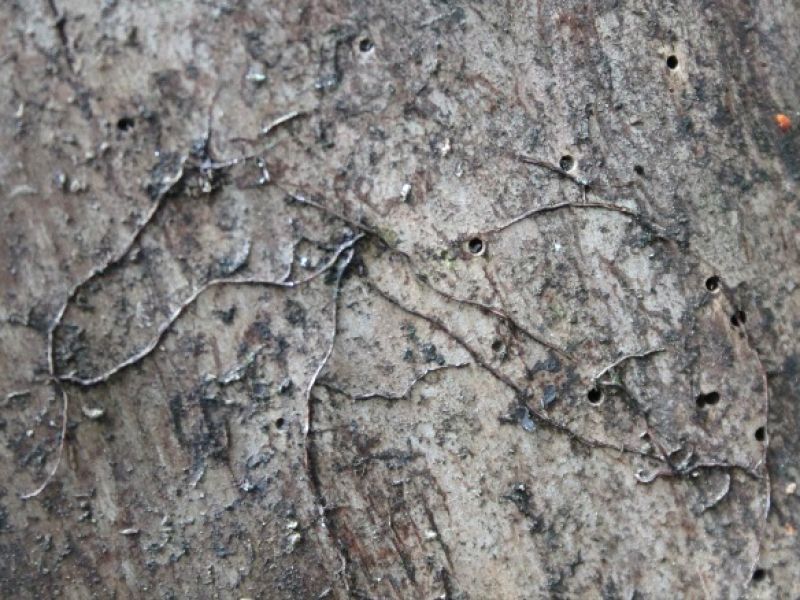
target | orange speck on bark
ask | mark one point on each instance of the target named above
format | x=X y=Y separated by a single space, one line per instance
x=783 y=122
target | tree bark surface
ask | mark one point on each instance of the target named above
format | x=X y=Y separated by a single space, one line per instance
x=342 y=299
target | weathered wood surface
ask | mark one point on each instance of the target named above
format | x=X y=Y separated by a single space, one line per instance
x=502 y=302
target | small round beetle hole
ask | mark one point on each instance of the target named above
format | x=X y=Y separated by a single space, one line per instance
x=712 y=284
x=279 y=422
x=476 y=246
x=672 y=62
x=567 y=163
x=708 y=399
x=759 y=574
x=365 y=45
x=126 y=124
x=738 y=318
x=594 y=396
x=639 y=170
x=761 y=434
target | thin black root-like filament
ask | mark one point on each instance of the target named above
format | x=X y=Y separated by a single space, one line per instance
x=310 y=461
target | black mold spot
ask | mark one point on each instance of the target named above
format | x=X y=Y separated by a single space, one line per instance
x=430 y=354
x=260 y=391
x=639 y=170
x=226 y=316
x=261 y=330
x=282 y=346
x=551 y=365
x=286 y=387
x=549 y=396
x=295 y=313
x=176 y=412
x=521 y=498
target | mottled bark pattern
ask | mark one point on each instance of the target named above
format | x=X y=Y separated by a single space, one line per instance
x=399 y=299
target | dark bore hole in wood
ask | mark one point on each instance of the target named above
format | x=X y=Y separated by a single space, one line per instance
x=594 y=396
x=475 y=245
x=366 y=45
x=279 y=422
x=639 y=170
x=759 y=574
x=125 y=124
x=710 y=398
x=738 y=318
x=567 y=163
x=761 y=434
x=712 y=284
x=672 y=62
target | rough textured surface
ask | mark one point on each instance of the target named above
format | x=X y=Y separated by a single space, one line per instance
x=399 y=300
